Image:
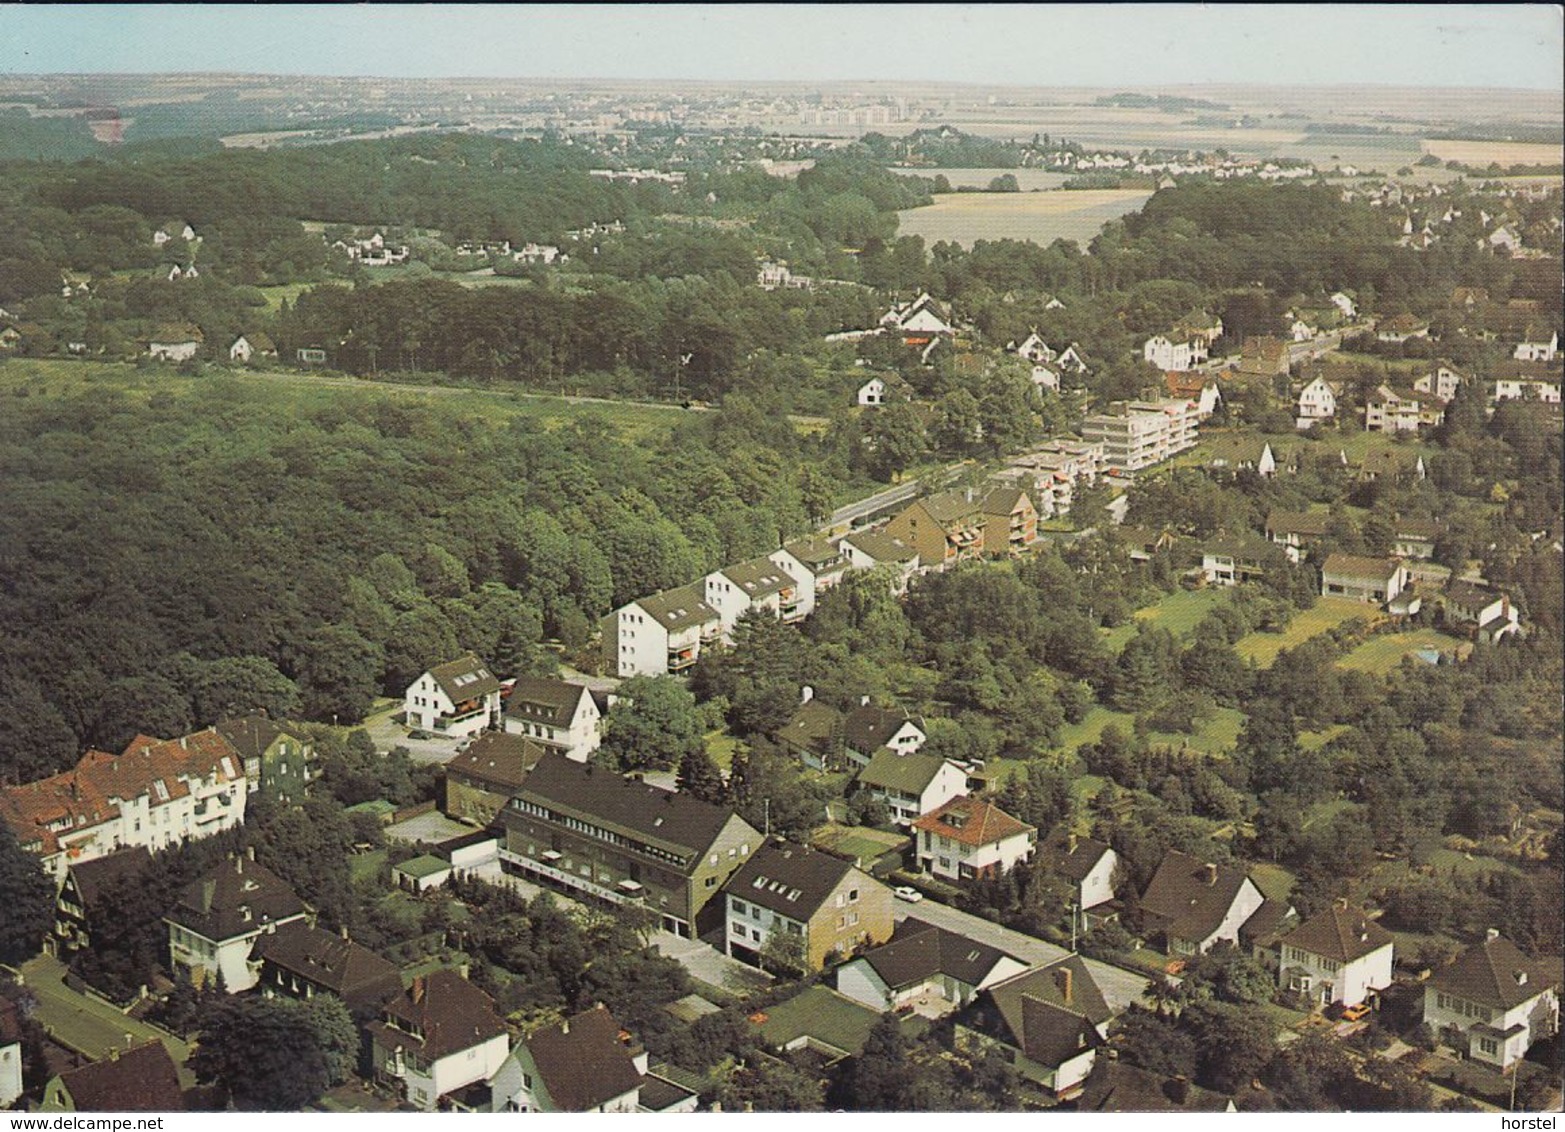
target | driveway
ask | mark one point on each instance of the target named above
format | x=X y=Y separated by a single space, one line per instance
x=91 y=1028
x=711 y=966
x=385 y=732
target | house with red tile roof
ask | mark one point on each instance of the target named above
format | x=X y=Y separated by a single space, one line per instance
x=969 y=837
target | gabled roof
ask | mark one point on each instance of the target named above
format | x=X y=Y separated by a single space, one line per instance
x=95 y=877
x=464 y=678
x=252 y=734
x=816 y=552
x=1118 y=1086
x=867 y=728
x=663 y=818
x=1268 y=923
x=178 y=332
x=1188 y=898
x=1034 y=1013
x=349 y=970
x=449 y=1012
x=791 y=879
x=919 y=951
x=881 y=546
x=1073 y=859
x=678 y=608
x=235 y=898
x=497 y=758
x=143 y=1079
x=544 y=700
x=1495 y=973
x=953 y=508
x=1418 y=528
x=583 y=1061
x=1470 y=596
x=972 y=821
x=1003 y=501
x=910 y=774
x=1339 y=933
x=1355 y=566
x=759 y=577
x=810 y=726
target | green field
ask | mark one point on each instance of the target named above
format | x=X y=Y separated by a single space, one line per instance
x=1213 y=736
x=1179 y=613
x=720 y=745
x=1381 y=654
x=1063 y=214
x=1327 y=613
x=289 y=292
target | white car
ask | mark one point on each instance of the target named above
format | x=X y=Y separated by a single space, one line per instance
x=908 y=893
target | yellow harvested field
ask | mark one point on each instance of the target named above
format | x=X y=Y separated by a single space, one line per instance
x=1481 y=153
x=1041 y=217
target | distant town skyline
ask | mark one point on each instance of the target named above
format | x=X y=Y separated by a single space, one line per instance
x=1500 y=46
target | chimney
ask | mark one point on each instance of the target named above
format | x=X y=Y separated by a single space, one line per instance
x=863 y=701
x=1521 y=978
x=1210 y=871
x=565 y=1026
x=1062 y=980
x=464 y=970
x=416 y=991
x=1070 y=843
x=1341 y=902
x=182 y=746
x=250 y=852
x=806 y=694
x=343 y=931
x=1490 y=935
x=239 y=866
x=1177 y=1089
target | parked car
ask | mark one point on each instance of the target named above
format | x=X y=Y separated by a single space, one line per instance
x=908 y=893
x=1354 y=1013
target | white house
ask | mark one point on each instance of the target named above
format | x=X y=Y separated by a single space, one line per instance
x=584 y=1063
x=1051 y=1021
x=1301 y=331
x=248 y=346
x=1538 y=351
x=1386 y=410
x=923 y=960
x=1194 y=904
x=757 y=585
x=1070 y=359
x=920 y=318
x=1174 y=357
x=1338 y=955
x=460 y=697
x=815 y=563
x=1523 y=389
x=213 y=929
x=878 y=391
x=1441 y=382
x=1087 y=864
x=10 y=1053
x=1497 y=999
x=1505 y=239
x=439 y=1035
x=554 y=714
x=1375 y=581
x=871 y=550
x=1316 y=403
x=1488 y=614
x=1034 y=349
x=913 y=785
x=662 y=634
x=968 y=837
x=175 y=343
x=868 y=729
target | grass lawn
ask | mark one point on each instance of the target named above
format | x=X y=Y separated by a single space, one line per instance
x=1090 y=729
x=367 y=866
x=1273 y=880
x=289 y=292
x=1179 y=613
x=1216 y=735
x=1327 y=613
x=720 y=745
x=1381 y=654
x=1042 y=217
x=1314 y=740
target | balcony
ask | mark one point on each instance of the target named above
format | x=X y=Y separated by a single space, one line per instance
x=681 y=659
x=462 y=715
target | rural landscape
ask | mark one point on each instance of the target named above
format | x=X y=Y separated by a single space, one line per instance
x=629 y=595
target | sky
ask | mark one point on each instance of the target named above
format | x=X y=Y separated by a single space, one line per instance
x=1476 y=45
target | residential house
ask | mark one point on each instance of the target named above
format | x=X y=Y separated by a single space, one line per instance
x=310 y=356
x=876 y=550
x=759 y=585
x=1393 y=464
x=87 y=895
x=969 y=837
x=814 y=732
x=1143 y=544
x=1231 y=561
x=944 y=529
x=1441 y=382
x=1481 y=612
x=555 y=714
x=1345 y=303
x=919 y=321
x=603 y=837
x=1302 y=331
x=1261 y=936
x=584 y=1063
x=1200 y=326
x=438 y=1036
x=1010 y=521
x=815 y=563
x=1469 y=298
x=1416 y=538
x=1089 y=866
x=156 y=793
x=1526 y=381
x=421 y=874
x=279 y=762
x=818 y=1024
x=1338 y=955
x=1050 y=1021
x=10 y=1053
x=250 y=346
x=883 y=390
x=1400 y=328
x=1242 y=454
x=911 y=786
x=1496 y=999
x=1192 y=904
x=819 y=905
x=923 y=962
x=1264 y=356
x=662 y=634
x=1375 y=581
x=141 y=1079
x=1538 y=350
x=1138 y=434
x=300 y=961
x=214 y=927
x=538 y=253
x=1506 y=239
x=1071 y=361
x=1317 y=402
x=1169 y=355
x=458 y=698
x=1387 y=410
x=1033 y=349
x=1195 y=387
x=1118 y=1086
x=868 y=729
x=485 y=775
x=175 y=343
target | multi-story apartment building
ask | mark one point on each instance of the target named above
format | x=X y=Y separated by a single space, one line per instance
x=621 y=841
x=1138 y=434
x=555 y=714
x=759 y=584
x=816 y=564
x=661 y=635
x=818 y=903
x=457 y=698
x=279 y=761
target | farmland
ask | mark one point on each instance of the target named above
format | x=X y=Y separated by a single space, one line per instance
x=1040 y=217
x=1029 y=180
x=1482 y=153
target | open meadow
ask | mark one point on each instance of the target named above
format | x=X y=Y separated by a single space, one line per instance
x=1043 y=217
x=1483 y=153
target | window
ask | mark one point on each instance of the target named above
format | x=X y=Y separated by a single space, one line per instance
x=1489 y=1046
x=711 y=882
x=740 y=908
x=739 y=930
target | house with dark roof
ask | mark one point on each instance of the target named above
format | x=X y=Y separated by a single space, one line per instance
x=1118 y=1086
x=175 y=342
x=1087 y=865
x=1231 y=560
x=924 y=967
x=439 y=1035
x=301 y=961
x=1479 y=611
x=1051 y=1021
x=1296 y=531
x=814 y=732
x=911 y=786
x=1494 y=1001
x=868 y=729
x=585 y=1063
x=1395 y=464
x=250 y=346
x=968 y=837
x=1241 y=454
x=815 y=563
x=876 y=550
x=759 y=585
x=958 y=526
x=279 y=760
x=661 y=635
x=143 y=1079
x=458 y=698
x=615 y=840
x=213 y=929
x=1393 y=410
x=1191 y=904
x=1375 y=581
x=1337 y=955
x=556 y=714
x=819 y=906
x=1416 y=538
x=487 y=773
x=89 y=888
